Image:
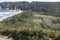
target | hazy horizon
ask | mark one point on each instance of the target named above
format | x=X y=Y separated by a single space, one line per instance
x=30 y=0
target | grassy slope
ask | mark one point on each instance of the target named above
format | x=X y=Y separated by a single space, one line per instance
x=26 y=23
x=52 y=21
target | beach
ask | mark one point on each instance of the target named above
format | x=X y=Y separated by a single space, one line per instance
x=4 y=15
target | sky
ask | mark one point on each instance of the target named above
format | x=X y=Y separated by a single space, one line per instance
x=30 y=0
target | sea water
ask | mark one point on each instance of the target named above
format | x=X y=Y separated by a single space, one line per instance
x=3 y=10
x=6 y=13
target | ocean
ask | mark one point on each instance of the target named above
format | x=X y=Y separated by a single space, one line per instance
x=6 y=13
x=3 y=10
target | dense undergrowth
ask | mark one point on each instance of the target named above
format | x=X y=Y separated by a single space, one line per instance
x=27 y=34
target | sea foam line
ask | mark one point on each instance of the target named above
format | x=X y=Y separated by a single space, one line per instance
x=10 y=14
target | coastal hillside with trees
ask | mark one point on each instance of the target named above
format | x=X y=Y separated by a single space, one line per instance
x=49 y=8
x=29 y=26
x=38 y=21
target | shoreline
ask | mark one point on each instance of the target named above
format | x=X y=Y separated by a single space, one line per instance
x=13 y=12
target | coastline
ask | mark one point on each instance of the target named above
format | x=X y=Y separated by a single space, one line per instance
x=13 y=12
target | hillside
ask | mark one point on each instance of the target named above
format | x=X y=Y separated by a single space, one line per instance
x=30 y=25
x=50 y=21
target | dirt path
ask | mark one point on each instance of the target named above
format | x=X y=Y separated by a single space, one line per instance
x=5 y=38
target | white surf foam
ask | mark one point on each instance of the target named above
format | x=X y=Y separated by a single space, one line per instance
x=4 y=15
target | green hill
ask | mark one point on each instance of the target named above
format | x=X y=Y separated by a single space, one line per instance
x=26 y=26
